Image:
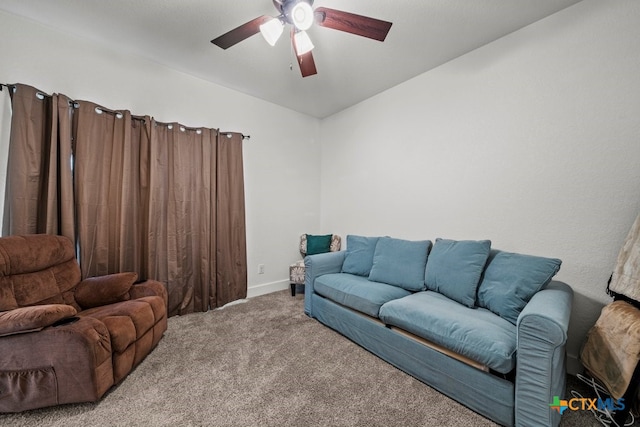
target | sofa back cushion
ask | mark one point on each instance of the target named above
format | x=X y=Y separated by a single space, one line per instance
x=454 y=268
x=104 y=290
x=359 y=257
x=400 y=263
x=37 y=269
x=510 y=280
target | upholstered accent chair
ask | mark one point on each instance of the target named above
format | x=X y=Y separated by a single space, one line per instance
x=311 y=245
x=63 y=339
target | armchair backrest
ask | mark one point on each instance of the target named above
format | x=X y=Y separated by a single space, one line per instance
x=37 y=269
x=336 y=243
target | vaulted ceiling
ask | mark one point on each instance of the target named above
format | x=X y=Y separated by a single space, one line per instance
x=177 y=34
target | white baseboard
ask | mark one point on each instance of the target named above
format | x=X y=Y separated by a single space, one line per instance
x=267 y=288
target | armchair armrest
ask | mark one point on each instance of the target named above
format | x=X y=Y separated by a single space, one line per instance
x=70 y=363
x=540 y=370
x=317 y=265
x=33 y=318
x=149 y=288
x=103 y=290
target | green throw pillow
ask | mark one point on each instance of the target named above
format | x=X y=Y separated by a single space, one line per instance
x=318 y=244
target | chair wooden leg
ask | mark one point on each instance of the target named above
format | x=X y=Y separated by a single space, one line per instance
x=293 y=289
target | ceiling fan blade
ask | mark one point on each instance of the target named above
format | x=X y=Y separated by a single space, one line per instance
x=305 y=61
x=244 y=31
x=307 y=64
x=352 y=23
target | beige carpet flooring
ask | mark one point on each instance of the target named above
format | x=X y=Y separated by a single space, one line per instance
x=263 y=363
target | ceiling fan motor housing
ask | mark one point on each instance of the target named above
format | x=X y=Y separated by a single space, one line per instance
x=286 y=8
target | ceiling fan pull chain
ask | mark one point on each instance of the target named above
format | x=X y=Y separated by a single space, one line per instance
x=291 y=52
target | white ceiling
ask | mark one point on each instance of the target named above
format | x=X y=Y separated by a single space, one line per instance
x=177 y=33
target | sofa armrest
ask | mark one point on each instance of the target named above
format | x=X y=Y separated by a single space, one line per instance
x=149 y=288
x=317 y=265
x=540 y=370
x=33 y=318
x=102 y=290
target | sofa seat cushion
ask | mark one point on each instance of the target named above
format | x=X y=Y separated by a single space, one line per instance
x=157 y=305
x=357 y=292
x=126 y=321
x=121 y=330
x=476 y=333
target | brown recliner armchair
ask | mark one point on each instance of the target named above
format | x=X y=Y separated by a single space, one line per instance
x=63 y=340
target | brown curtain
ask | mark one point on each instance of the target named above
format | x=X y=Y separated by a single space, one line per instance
x=39 y=189
x=197 y=217
x=112 y=189
x=230 y=226
x=161 y=200
x=182 y=215
x=5 y=136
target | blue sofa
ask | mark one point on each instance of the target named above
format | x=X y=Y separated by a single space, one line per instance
x=485 y=327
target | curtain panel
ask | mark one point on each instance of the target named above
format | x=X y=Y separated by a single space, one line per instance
x=160 y=199
x=197 y=214
x=39 y=187
x=5 y=135
x=111 y=159
x=182 y=208
x=231 y=248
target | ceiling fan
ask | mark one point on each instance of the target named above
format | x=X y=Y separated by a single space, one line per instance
x=300 y=15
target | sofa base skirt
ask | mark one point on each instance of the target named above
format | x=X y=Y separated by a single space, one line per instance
x=483 y=392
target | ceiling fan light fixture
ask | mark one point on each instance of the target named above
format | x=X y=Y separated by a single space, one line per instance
x=302 y=15
x=303 y=43
x=271 y=30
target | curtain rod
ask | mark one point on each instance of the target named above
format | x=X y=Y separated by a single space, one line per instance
x=101 y=110
x=242 y=135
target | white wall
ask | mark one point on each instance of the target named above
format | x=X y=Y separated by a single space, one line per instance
x=281 y=195
x=532 y=141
